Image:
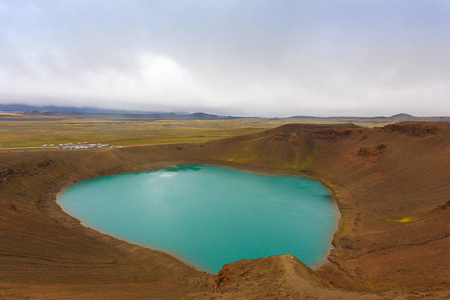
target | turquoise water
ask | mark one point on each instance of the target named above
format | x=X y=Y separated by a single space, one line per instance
x=209 y=215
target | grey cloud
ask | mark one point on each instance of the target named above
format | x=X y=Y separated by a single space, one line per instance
x=271 y=58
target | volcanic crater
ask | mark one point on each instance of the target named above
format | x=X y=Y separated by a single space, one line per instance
x=391 y=185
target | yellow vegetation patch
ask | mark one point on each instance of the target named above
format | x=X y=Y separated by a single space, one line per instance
x=308 y=160
x=241 y=159
x=329 y=184
x=404 y=220
x=253 y=140
x=342 y=226
x=401 y=220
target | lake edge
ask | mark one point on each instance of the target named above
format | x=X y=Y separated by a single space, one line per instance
x=254 y=170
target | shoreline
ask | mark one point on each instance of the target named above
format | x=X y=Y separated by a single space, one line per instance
x=321 y=262
x=171 y=253
x=87 y=226
x=369 y=183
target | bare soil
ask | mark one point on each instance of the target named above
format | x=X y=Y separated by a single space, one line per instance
x=391 y=185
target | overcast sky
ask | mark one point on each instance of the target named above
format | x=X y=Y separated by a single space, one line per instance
x=246 y=58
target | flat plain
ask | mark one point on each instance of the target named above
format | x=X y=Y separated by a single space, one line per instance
x=18 y=130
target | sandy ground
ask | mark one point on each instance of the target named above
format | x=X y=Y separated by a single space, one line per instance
x=391 y=185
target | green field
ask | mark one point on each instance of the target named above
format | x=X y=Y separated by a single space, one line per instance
x=35 y=133
x=118 y=132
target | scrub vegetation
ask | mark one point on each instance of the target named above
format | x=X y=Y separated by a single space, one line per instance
x=119 y=131
x=37 y=131
x=401 y=220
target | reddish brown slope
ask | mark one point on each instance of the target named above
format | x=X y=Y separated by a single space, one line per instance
x=45 y=254
x=379 y=176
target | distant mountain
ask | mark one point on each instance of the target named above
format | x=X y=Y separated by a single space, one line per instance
x=402 y=115
x=89 y=112
x=69 y=109
x=395 y=118
x=33 y=112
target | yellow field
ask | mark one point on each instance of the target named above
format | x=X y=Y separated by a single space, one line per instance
x=19 y=133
